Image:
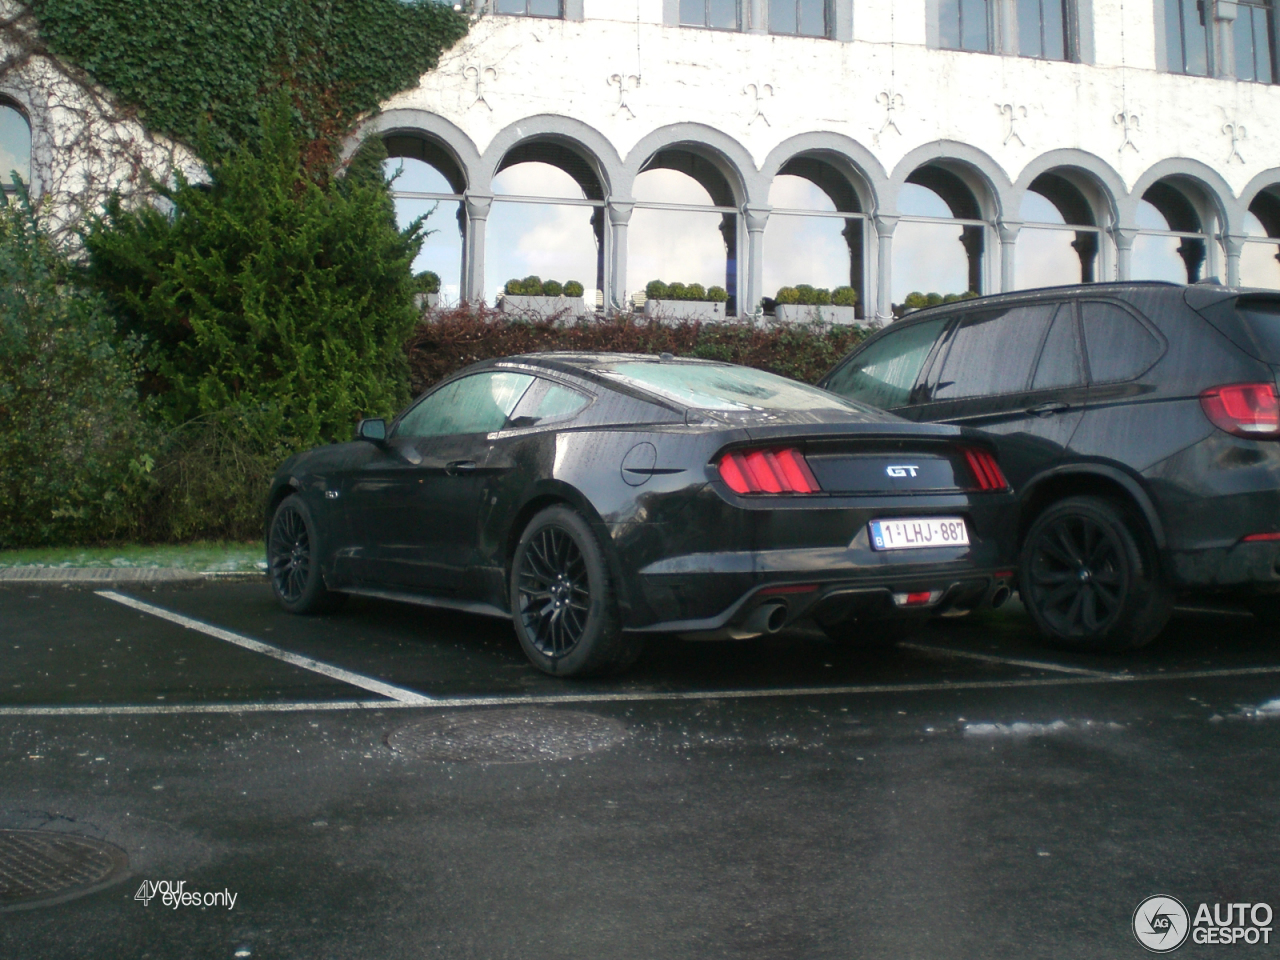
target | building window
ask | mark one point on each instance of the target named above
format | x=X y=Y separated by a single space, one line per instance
x=717 y=14
x=803 y=18
x=965 y=24
x=15 y=147
x=530 y=8
x=1255 y=41
x=1042 y=29
x=1186 y=28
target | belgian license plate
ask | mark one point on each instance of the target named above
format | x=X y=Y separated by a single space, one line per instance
x=915 y=533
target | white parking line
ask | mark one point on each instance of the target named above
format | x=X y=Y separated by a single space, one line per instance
x=399 y=694
x=638 y=697
x=1008 y=661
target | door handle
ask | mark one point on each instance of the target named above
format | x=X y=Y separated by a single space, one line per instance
x=460 y=466
x=1049 y=409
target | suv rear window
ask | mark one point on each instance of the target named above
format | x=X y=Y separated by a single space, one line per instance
x=1261 y=320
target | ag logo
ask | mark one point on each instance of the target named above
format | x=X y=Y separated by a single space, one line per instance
x=906 y=470
x=1161 y=924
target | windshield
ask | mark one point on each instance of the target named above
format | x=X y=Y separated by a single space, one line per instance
x=713 y=386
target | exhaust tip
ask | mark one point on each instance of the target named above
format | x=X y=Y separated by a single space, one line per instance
x=776 y=618
x=1000 y=596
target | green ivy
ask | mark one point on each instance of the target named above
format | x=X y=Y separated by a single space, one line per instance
x=206 y=69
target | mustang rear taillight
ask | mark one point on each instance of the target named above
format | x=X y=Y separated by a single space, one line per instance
x=767 y=472
x=985 y=469
x=1244 y=409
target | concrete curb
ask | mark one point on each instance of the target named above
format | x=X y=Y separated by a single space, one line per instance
x=120 y=575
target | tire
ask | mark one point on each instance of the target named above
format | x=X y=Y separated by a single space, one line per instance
x=294 y=548
x=563 y=602
x=1088 y=577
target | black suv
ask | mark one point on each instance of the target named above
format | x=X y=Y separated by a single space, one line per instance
x=1139 y=424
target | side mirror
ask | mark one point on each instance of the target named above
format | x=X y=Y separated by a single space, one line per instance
x=373 y=430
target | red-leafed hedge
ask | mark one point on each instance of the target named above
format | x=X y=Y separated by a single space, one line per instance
x=449 y=340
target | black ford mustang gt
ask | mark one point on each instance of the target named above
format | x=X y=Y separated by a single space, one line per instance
x=594 y=499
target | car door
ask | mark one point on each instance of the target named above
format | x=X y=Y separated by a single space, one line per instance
x=885 y=372
x=1017 y=372
x=415 y=508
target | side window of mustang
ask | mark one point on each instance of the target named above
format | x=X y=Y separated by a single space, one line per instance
x=480 y=403
x=546 y=402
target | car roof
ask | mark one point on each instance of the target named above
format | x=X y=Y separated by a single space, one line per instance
x=560 y=359
x=1118 y=288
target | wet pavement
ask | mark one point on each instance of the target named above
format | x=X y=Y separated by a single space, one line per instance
x=971 y=795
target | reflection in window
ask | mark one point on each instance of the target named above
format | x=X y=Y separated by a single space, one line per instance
x=530 y=8
x=15 y=147
x=1186 y=29
x=883 y=374
x=992 y=355
x=719 y=14
x=476 y=404
x=805 y=18
x=1042 y=29
x=965 y=24
x=1255 y=39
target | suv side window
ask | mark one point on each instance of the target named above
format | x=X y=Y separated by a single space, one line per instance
x=992 y=353
x=480 y=403
x=1062 y=360
x=1119 y=346
x=883 y=374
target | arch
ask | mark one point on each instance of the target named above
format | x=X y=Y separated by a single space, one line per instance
x=1179 y=171
x=25 y=166
x=556 y=140
x=720 y=150
x=984 y=177
x=856 y=162
x=446 y=139
x=1079 y=167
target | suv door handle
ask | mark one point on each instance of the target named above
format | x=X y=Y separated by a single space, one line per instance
x=1050 y=408
x=460 y=466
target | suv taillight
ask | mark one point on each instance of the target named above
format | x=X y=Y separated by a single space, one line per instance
x=767 y=471
x=1244 y=409
x=985 y=469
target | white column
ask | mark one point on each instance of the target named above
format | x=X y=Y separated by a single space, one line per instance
x=1008 y=230
x=756 y=219
x=757 y=24
x=1234 y=246
x=477 y=215
x=1224 y=38
x=1124 y=237
x=617 y=296
x=885 y=225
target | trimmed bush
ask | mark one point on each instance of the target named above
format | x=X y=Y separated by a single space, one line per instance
x=531 y=286
x=657 y=290
x=573 y=289
x=844 y=297
x=718 y=295
x=456 y=338
x=74 y=465
x=426 y=282
x=552 y=288
x=695 y=291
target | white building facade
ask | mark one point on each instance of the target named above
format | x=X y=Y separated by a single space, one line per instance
x=889 y=145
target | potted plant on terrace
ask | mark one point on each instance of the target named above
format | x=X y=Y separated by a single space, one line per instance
x=427 y=290
x=805 y=303
x=543 y=299
x=679 y=301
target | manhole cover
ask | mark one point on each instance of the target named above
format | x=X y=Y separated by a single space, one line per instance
x=39 y=868
x=507 y=736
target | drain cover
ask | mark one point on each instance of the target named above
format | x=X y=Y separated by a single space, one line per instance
x=39 y=868
x=507 y=736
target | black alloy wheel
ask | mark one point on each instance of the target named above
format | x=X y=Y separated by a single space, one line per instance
x=1086 y=579
x=562 y=599
x=293 y=559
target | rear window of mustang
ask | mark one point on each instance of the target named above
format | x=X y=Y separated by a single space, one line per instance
x=710 y=386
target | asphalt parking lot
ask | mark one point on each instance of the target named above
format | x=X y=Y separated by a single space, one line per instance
x=352 y=780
